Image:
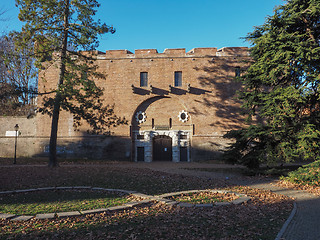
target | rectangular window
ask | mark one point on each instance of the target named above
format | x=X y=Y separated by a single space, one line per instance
x=140 y=137
x=237 y=71
x=178 y=79
x=183 y=136
x=143 y=79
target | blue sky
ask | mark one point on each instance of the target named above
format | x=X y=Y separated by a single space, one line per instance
x=162 y=24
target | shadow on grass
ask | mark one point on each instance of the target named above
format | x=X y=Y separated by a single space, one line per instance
x=33 y=203
x=49 y=196
x=106 y=176
x=275 y=171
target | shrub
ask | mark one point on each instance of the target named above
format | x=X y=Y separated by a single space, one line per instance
x=306 y=175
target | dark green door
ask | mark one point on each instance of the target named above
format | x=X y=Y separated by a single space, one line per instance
x=162 y=148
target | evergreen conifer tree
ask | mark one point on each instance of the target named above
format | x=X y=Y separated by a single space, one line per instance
x=281 y=88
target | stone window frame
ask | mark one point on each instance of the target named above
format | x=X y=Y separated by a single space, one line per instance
x=183 y=136
x=183 y=116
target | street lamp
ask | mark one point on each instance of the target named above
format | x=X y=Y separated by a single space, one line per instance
x=16 y=128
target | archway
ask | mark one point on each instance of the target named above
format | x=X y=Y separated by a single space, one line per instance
x=162 y=148
x=161 y=130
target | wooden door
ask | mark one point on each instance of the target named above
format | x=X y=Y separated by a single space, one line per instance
x=162 y=148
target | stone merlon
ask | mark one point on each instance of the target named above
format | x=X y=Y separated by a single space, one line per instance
x=177 y=52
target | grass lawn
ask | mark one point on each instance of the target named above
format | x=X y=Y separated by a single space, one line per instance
x=33 y=203
x=261 y=218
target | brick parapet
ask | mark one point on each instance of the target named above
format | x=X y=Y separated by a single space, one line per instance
x=176 y=53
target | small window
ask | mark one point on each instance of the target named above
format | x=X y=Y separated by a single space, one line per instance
x=183 y=136
x=170 y=122
x=178 y=79
x=237 y=71
x=141 y=137
x=143 y=79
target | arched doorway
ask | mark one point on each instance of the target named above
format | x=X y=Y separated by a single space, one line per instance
x=162 y=148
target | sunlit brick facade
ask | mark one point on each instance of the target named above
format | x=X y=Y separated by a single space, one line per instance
x=178 y=105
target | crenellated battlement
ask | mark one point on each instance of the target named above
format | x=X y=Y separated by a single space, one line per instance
x=177 y=52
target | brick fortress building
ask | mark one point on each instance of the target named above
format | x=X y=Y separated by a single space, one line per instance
x=178 y=105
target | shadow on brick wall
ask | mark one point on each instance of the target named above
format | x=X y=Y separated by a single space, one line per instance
x=219 y=75
x=116 y=149
x=93 y=147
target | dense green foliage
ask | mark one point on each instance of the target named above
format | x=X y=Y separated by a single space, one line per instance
x=65 y=34
x=281 y=89
x=306 y=175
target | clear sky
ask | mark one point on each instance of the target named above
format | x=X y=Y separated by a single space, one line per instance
x=162 y=24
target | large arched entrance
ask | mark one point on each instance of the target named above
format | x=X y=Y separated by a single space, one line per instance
x=162 y=148
x=161 y=130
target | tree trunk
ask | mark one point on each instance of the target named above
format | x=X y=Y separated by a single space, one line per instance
x=53 y=161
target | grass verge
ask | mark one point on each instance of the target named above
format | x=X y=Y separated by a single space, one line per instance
x=33 y=203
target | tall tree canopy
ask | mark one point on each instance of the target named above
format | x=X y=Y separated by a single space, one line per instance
x=64 y=33
x=281 y=88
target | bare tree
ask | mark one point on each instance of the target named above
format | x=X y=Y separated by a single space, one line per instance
x=18 y=78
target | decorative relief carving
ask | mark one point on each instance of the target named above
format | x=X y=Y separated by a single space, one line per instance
x=183 y=116
x=141 y=117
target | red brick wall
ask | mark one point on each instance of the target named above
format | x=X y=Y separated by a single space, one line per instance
x=211 y=103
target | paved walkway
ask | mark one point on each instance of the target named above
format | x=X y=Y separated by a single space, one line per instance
x=305 y=224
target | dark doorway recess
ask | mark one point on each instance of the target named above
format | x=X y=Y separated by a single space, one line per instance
x=140 y=154
x=162 y=148
x=183 y=154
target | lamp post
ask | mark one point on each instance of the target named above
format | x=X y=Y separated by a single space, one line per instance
x=16 y=128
